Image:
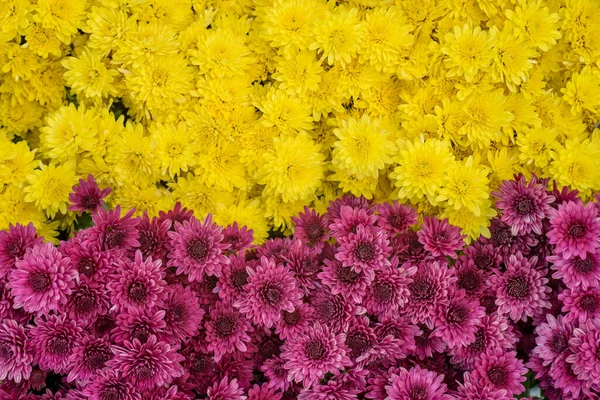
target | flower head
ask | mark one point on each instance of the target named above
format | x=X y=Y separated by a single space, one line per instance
x=227 y=331
x=225 y=390
x=110 y=384
x=500 y=369
x=577 y=271
x=15 y=357
x=428 y=291
x=14 y=243
x=388 y=291
x=87 y=196
x=49 y=188
x=153 y=237
x=113 y=232
x=366 y=250
x=89 y=358
x=238 y=238
x=585 y=344
x=417 y=383
x=345 y=280
x=458 y=321
x=139 y=325
x=395 y=218
x=53 y=341
x=87 y=301
x=581 y=304
x=440 y=238
x=552 y=338
x=183 y=315
x=310 y=228
x=575 y=229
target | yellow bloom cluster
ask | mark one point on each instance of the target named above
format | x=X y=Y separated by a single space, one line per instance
x=252 y=109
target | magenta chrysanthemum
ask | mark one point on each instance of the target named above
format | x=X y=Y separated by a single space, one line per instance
x=138 y=285
x=575 y=229
x=292 y=323
x=274 y=370
x=305 y=264
x=399 y=329
x=234 y=278
x=366 y=250
x=345 y=280
x=153 y=237
x=350 y=219
x=225 y=390
x=504 y=242
x=457 y=322
x=428 y=290
x=89 y=358
x=137 y=324
x=227 y=331
x=417 y=383
x=53 y=340
x=87 y=259
x=440 y=238
x=42 y=280
x=472 y=390
x=87 y=196
x=113 y=232
x=585 y=345
x=15 y=357
x=310 y=228
x=330 y=390
x=271 y=289
x=484 y=256
x=577 y=271
x=196 y=248
x=469 y=278
x=238 y=239
x=523 y=205
x=334 y=310
x=111 y=385
x=334 y=210
x=388 y=291
x=87 y=301
x=359 y=337
x=500 y=369
x=183 y=315
x=395 y=218
x=521 y=289
x=581 y=305
x=147 y=365
x=314 y=353
x=14 y=244
x=552 y=338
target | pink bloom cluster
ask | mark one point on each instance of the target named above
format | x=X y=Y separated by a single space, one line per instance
x=365 y=302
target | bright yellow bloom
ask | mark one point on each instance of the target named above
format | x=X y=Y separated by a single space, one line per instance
x=535 y=23
x=293 y=169
x=49 y=188
x=298 y=72
x=339 y=35
x=131 y=156
x=280 y=213
x=219 y=166
x=107 y=27
x=513 y=58
x=247 y=213
x=221 y=53
x=16 y=162
x=363 y=148
x=577 y=165
x=485 y=116
x=20 y=117
x=465 y=185
x=536 y=145
x=15 y=210
x=175 y=151
x=88 y=75
x=195 y=195
x=13 y=16
x=351 y=183
x=468 y=50
x=42 y=41
x=65 y=16
x=471 y=225
x=286 y=112
x=583 y=91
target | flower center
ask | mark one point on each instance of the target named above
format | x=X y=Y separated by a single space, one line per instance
x=200 y=364
x=583 y=266
x=271 y=294
x=96 y=358
x=457 y=314
x=239 y=278
x=291 y=318
x=347 y=275
x=148 y=243
x=105 y=324
x=357 y=342
x=141 y=332
x=314 y=232
x=524 y=205
x=138 y=292
x=517 y=288
x=479 y=344
x=420 y=289
x=383 y=292
x=558 y=343
x=225 y=325
x=198 y=249
x=364 y=252
x=145 y=372
x=59 y=345
x=397 y=221
x=87 y=266
x=90 y=202
x=588 y=303
x=112 y=392
x=114 y=237
x=576 y=231
x=84 y=302
x=37 y=379
x=482 y=261
x=6 y=352
x=15 y=250
x=504 y=236
x=469 y=280
x=315 y=350
x=39 y=281
x=497 y=376
x=418 y=392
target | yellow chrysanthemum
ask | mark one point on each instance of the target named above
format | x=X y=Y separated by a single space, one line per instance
x=42 y=41
x=535 y=23
x=174 y=149
x=583 y=91
x=298 y=72
x=471 y=225
x=468 y=50
x=356 y=78
x=339 y=35
x=49 y=188
x=65 y=16
x=16 y=211
x=222 y=53
x=287 y=113
x=327 y=97
x=16 y=162
x=248 y=213
x=195 y=195
x=351 y=183
x=577 y=165
x=382 y=99
x=258 y=141
x=13 y=16
x=219 y=166
x=88 y=75
x=502 y=165
x=177 y=13
x=20 y=117
x=486 y=115
x=107 y=27
x=421 y=168
x=69 y=131
x=293 y=169
x=145 y=199
x=131 y=156
x=513 y=58
x=280 y=213
x=536 y=145
x=363 y=148
x=465 y=185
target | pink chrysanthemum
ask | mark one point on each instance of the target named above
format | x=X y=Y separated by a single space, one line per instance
x=395 y=218
x=87 y=259
x=304 y=262
x=440 y=238
x=493 y=332
x=334 y=310
x=196 y=248
x=89 y=358
x=139 y=325
x=577 y=271
x=472 y=390
x=581 y=305
x=177 y=214
x=271 y=289
x=183 y=315
x=314 y=353
x=238 y=239
x=522 y=291
x=53 y=340
x=238 y=368
x=42 y=280
x=293 y=323
x=484 y=256
x=104 y=324
x=334 y=210
x=500 y=369
x=428 y=290
x=227 y=331
x=234 y=278
x=172 y=393
x=274 y=370
x=469 y=278
x=345 y=280
x=147 y=365
x=111 y=385
x=564 y=378
x=366 y=250
x=330 y=390
x=504 y=242
x=417 y=383
x=200 y=368
x=87 y=196
x=139 y=284
x=310 y=228
x=401 y=330
x=426 y=345
x=457 y=322
x=15 y=359
x=6 y=299
x=350 y=220
x=388 y=291
x=359 y=337
x=14 y=244
x=575 y=229
x=585 y=345
x=113 y=232
x=225 y=390
x=552 y=338
x=263 y=392
x=153 y=237
x=378 y=380
x=276 y=249
x=523 y=205
x=87 y=301
x=563 y=195
x=382 y=354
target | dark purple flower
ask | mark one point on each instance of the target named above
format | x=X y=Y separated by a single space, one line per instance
x=484 y=256
x=330 y=390
x=577 y=271
x=304 y=262
x=153 y=237
x=426 y=345
x=201 y=369
x=473 y=390
x=274 y=370
x=360 y=337
x=310 y=228
x=87 y=301
x=334 y=310
x=334 y=210
x=395 y=218
x=350 y=220
x=113 y=232
x=366 y=250
x=177 y=214
x=440 y=238
x=238 y=368
x=89 y=358
x=504 y=242
x=585 y=344
x=292 y=323
x=343 y=280
x=428 y=291
x=87 y=196
x=14 y=244
x=552 y=338
x=575 y=229
x=231 y=286
x=581 y=305
x=15 y=359
x=388 y=291
x=53 y=341
x=87 y=259
x=469 y=278
x=263 y=392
